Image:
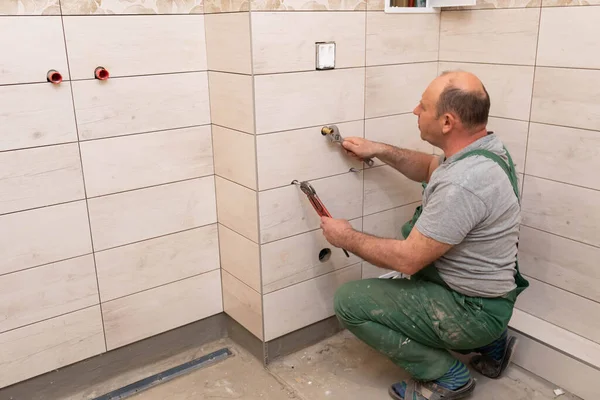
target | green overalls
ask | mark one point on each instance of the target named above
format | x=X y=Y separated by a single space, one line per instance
x=415 y=322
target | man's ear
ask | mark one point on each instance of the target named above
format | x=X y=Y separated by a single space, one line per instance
x=448 y=122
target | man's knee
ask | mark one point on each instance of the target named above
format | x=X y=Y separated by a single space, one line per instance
x=348 y=300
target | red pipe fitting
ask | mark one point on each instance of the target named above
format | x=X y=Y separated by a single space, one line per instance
x=101 y=73
x=54 y=77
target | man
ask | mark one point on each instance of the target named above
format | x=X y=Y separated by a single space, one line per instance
x=460 y=249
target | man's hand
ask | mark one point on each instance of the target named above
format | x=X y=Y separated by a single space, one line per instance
x=360 y=148
x=336 y=231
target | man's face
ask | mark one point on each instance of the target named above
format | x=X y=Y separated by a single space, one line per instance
x=429 y=125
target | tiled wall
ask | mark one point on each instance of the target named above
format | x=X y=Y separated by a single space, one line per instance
x=108 y=222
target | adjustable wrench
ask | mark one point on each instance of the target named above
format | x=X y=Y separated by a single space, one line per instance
x=333 y=134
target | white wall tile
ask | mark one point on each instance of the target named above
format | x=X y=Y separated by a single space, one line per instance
x=148 y=159
x=146 y=213
x=387 y=188
x=28 y=54
x=42 y=347
x=140 y=104
x=572 y=211
x=297 y=306
x=228 y=42
x=513 y=134
x=303 y=154
x=43 y=235
x=397 y=130
x=40 y=177
x=509 y=87
x=564 y=96
x=243 y=304
x=36 y=115
x=240 y=257
x=295 y=259
x=231 y=101
x=237 y=208
x=135 y=45
x=396 y=89
x=285 y=41
x=402 y=38
x=564 y=154
x=286 y=211
x=299 y=100
x=561 y=308
x=569 y=37
x=560 y=262
x=503 y=36
x=154 y=311
x=48 y=291
x=151 y=263
x=235 y=156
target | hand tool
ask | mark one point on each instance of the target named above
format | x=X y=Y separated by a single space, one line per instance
x=317 y=204
x=333 y=133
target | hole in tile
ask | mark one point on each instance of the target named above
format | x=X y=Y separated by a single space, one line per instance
x=324 y=255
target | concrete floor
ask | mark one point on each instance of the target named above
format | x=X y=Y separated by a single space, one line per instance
x=340 y=367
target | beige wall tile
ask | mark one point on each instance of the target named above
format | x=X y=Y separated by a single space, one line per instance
x=561 y=308
x=569 y=37
x=387 y=188
x=375 y=5
x=385 y=224
x=571 y=211
x=51 y=344
x=146 y=213
x=303 y=304
x=40 y=177
x=140 y=104
x=243 y=304
x=402 y=38
x=509 y=87
x=303 y=154
x=564 y=154
x=237 y=208
x=563 y=97
x=228 y=42
x=502 y=36
x=563 y=3
x=30 y=47
x=135 y=45
x=299 y=100
x=285 y=41
x=144 y=160
x=307 y=5
x=397 y=130
x=235 y=156
x=513 y=134
x=296 y=259
x=157 y=310
x=240 y=257
x=560 y=262
x=227 y=90
x=226 y=6
x=40 y=293
x=129 y=269
x=44 y=235
x=36 y=115
x=24 y=7
x=79 y=7
x=492 y=4
x=396 y=89
x=286 y=211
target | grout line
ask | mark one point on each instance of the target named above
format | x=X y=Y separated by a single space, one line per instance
x=561 y=236
x=566 y=126
x=308 y=127
x=321 y=178
x=232 y=129
x=150 y=74
x=562 y=289
x=362 y=191
x=308 y=71
x=45 y=264
x=50 y=318
x=241 y=281
x=311 y=230
x=400 y=64
x=144 y=132
x=87 y=206
x=41 y=207
x=151 y=186
x=38 y=146
x=235 y=183
x=488 y=63
x=392 y=208
x=241 y=234
x=561 y=182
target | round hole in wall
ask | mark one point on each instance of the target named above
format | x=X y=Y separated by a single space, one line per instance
x=324 y=255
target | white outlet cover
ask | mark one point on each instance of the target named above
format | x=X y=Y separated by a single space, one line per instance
x=325 y=55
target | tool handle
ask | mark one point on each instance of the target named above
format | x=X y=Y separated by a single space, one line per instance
x=322 y=211
x=369 y=161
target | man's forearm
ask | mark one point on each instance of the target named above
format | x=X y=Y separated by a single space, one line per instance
x=413 y=164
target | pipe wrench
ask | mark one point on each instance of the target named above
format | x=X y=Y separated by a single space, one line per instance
x=333 y=134
x=317 y=204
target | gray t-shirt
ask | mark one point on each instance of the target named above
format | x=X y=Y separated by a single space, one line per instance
x=471 y=204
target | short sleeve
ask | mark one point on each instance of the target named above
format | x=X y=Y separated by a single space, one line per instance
x=450 y=213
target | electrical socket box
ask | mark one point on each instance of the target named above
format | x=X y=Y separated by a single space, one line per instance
x=325 y=52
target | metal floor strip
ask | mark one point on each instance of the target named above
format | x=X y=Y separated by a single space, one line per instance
x=165 y=376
